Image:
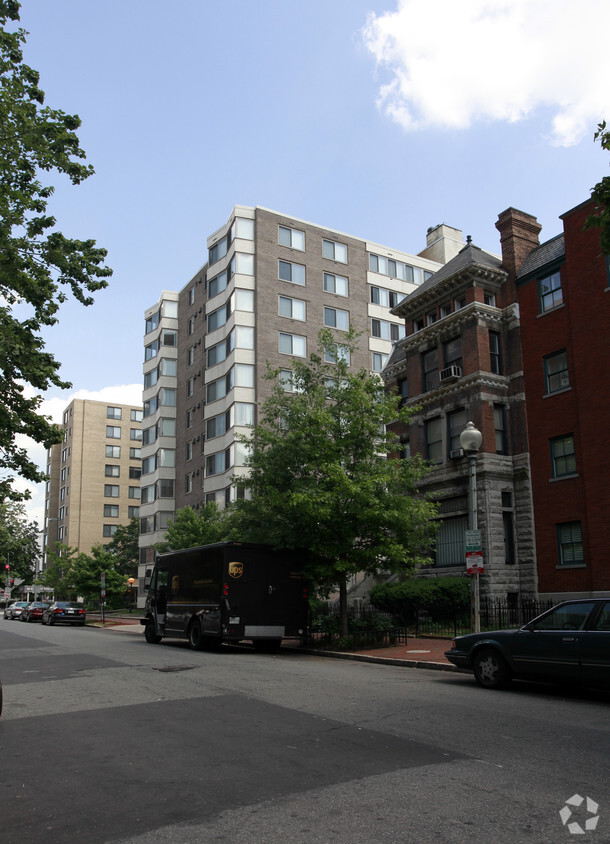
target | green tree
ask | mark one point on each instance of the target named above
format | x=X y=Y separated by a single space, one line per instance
x=38 y=265
x=124 y=547
x=190 y=528
x=600 y=219
x=319 y=478
x=18 y=541
x=57 y=576
x=86 y=573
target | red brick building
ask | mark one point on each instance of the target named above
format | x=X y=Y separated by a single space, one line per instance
x=564 y=301
x=461 y=361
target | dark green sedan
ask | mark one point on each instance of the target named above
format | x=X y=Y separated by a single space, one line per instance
x=569 y=643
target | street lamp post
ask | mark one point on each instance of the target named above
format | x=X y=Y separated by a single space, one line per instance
x=470 y=440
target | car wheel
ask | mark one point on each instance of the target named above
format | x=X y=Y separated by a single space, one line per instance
x=150 y=635
x=490 y=669
x=195 y=637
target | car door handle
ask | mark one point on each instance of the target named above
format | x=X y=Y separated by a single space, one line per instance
x=569 y=639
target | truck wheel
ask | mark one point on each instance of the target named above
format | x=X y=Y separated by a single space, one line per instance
x=195 y=637
x=150 y=635
x=491 y=670
x=267 y=646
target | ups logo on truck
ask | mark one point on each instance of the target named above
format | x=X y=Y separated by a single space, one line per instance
x=236 y=569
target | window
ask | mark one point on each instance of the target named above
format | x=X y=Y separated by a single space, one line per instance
x=217 y=284
x=556 y=376
x=219 y=250
x=450 y=541
x=113 y=412
x=430 y=369
x=113 y=433
x=456 y=422
x=337 y=353
x=379 y=361
x=336 y=284
x=135 y=472
x=110 y=530
x=112 y=471
x=445 y=310
x=495 y=362
x=242 y=228
x=190 y=356
x=188 y=483
x=190 y=387
x=336 y=318
x=563 y=457
x=113 y=451
x=434 y=440
x=136 y=415
x=387 y=330
x=291 y=272
x=500 y=428
x=490 y=299
x=219 y=317
x=452 y=352
x=135 y=453
x=133 y=512
x=569 y=542
x=286 y=381
x=550 y=292
x=215 y=464
x=167 y=397
x=191 y=297
x=396 y=269
x=292 y=308
x=403 y=390
x=152 y=323
x=111 y=511
x=405 y=448
x=135 y=434
x=293 y=344
x=111 y=490
x=244 y=300
x=291 y=237
x=459 y=303
x=431 y=318
x=134 y=492
x=508 y=528
x=334 y=251
x=190 y=326
x=188 y=451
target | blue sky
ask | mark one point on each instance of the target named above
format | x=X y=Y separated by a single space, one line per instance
x=378 y=119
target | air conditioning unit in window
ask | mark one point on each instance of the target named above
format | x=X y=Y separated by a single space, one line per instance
x=456 y=453
x=451 y=373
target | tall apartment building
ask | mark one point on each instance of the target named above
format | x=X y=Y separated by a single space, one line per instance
x=564 y=299
x=460 y=361
x=270 y=282
x=94 y=475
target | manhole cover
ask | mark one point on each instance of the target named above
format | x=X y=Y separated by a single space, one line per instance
x=168 y=668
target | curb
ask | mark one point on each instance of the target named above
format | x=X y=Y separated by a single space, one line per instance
x=381 y=660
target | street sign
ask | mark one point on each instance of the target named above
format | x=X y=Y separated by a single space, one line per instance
x=103 y=579
x=474 y=562
x=7 y=594
x=103 y=593
x=474 y=552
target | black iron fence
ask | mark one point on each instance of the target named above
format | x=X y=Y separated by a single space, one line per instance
x=370 y=627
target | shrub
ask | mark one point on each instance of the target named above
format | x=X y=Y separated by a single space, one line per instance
x=441 y=597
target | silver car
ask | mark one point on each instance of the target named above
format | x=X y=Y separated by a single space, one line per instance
x=14 y=610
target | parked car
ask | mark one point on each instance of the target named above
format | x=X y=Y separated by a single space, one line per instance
x=70 y=612
x=568 y=643
x=14 y=609
x=33 y=611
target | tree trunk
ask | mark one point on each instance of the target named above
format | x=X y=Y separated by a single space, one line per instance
x=343 y=607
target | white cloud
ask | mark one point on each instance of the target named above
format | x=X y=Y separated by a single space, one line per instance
x=453 y=64
x=53 y=408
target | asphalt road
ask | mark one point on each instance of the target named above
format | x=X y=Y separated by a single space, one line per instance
x=105 y=738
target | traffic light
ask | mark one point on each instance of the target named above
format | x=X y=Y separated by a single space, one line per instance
x=12 y=582
x=7 y=566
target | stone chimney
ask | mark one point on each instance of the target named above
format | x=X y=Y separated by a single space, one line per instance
x=518 y=236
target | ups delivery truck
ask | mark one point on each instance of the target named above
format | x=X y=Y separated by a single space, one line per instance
x=229 y=592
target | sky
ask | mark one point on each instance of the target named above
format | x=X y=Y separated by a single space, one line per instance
x=378 y=119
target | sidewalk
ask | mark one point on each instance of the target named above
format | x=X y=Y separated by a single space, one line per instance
x=417 y=653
